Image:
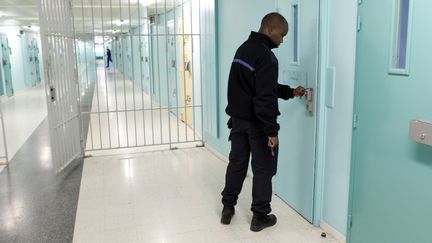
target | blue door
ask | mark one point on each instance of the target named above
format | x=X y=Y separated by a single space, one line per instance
x=172 y=66
x=6 y=65
x=36 y=61
x=298 y=61
x=391 y=196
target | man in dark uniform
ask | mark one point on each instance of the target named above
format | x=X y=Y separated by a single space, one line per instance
x=253 y=91
x=108 y=53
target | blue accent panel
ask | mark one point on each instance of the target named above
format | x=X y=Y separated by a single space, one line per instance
x=245 y=64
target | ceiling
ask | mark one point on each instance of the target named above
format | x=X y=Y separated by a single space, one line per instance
x=88 y=14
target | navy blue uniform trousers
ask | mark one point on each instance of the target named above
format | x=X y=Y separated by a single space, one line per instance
x=249 y=138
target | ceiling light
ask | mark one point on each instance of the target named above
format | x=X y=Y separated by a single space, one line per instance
x=120 y=22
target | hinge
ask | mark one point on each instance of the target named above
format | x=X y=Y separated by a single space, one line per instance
x=359 y=2
x=359 y=23
x=355 y=121
x=350 y=221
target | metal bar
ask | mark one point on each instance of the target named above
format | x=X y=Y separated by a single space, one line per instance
x=151 y=145
x=133 y=70
x=176 y=73
x=124 y=82
x=115 y=82
x=201 y=71
x=184 y=71
x=192 y=64
x=131 y=110
x=159 y=76
x=167 y=75
x=106 y=82
x=97 y=76
x=141 y=74
x=150 y=40
x=160 y=35
x=87 y=74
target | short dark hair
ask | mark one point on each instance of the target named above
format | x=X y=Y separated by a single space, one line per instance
x=273 y=19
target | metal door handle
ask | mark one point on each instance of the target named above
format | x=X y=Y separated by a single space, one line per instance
x=309 y=100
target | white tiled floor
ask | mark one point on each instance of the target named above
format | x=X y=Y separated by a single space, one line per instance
x=172 y=196
x=22 y=113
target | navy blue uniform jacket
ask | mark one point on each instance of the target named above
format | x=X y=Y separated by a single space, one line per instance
x=253 y=89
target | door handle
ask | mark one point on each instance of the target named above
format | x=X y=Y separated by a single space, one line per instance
x=309 y=100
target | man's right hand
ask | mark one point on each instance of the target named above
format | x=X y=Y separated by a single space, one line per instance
x=273 y=142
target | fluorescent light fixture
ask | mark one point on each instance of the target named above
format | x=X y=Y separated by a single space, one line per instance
x=145 y=3
x=120 y=22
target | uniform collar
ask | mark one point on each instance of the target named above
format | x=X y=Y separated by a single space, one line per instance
x=263 y=38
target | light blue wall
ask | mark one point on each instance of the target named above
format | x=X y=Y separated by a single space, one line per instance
x=233 y=30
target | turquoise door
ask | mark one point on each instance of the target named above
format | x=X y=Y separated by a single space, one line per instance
x=297 y=56
x=172 y=67
x=36 y=61
x=391 y=196
x=145 y=63
x=6 y=65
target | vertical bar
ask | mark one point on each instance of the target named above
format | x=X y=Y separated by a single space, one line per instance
x=159 y=78
x=87 y=75
x=141 y=73
x=193 y=70
x=184 y=71
x=201 y=79
x=133 y=71
x=150 y=40
x=97 y=76
x=176 y=73
x=106 y=82
x=167 y=75
x=124 y=82
x=115 y=82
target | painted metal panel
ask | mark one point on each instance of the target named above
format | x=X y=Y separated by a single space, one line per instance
x=295 y=178
x=58 y=45
x=390 y=198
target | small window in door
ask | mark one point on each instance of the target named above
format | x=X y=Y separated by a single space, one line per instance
x=295 y=31
x=399 y=59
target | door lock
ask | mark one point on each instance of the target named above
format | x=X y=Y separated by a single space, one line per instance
x=309 y=100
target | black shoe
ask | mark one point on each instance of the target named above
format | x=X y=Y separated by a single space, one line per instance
x=227 y=213
x=261 y=222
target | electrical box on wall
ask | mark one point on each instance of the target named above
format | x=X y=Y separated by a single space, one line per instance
x=421 y=131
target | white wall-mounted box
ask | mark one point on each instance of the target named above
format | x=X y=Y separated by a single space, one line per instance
x=421 y=131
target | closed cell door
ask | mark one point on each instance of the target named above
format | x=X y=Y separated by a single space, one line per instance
x=185 y=73
x=6 y=65
x=391 y=175
x=172 y=66
x=294 y=182
x=36 y=61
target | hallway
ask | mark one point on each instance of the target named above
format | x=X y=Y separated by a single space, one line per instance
x=172 y=196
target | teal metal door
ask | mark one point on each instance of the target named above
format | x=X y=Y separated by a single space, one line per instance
x=298 y=61
x=36 y=61
x=390 y=196
x=6 y=65
x=172 y=67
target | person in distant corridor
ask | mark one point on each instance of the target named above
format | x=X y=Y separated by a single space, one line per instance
x=253 y=91
x=108 y=53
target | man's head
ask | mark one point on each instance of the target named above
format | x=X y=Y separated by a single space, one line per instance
x=275 y=26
